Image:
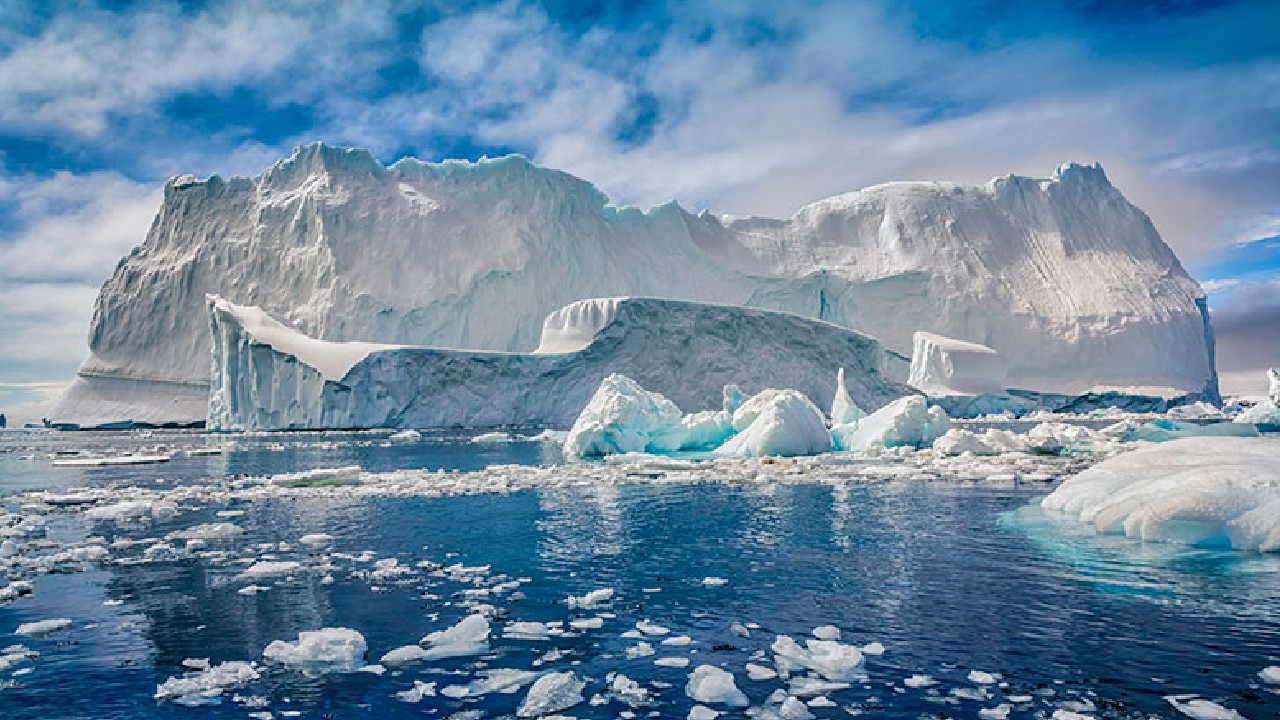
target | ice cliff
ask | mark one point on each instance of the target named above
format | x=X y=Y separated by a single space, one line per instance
x=1062 y=276
x=268 y=375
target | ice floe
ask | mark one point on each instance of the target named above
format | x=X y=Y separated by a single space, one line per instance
x=713 y=685
x=317 y=652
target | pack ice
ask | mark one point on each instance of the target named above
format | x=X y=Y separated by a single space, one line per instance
x=267 y=375
x=1064 y=278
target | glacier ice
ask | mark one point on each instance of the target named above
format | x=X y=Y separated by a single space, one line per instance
x=777 y=422
x=1062 y=276
x=684 y=351
x=1215 y=491
x=945 y=366
x=843 y=408
x=623 y=417
x=905 y=421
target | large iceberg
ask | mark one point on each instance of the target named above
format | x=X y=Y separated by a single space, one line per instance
x=267 y=375
x=1062 y=276
x=1211 y=491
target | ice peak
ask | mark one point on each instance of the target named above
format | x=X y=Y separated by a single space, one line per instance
x=1077 y=172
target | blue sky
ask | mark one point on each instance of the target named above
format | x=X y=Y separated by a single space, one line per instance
x=741 y=107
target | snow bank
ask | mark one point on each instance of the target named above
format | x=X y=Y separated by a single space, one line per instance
x=906 y=421
x=1212 y=491
x=320 y=651
x=945 y=366
x=684 y=351
x=777 y=422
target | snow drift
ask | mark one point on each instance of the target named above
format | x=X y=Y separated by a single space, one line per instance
x=1062 y=276
x=267 y=375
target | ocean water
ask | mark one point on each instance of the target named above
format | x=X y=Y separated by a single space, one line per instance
x=950 y=578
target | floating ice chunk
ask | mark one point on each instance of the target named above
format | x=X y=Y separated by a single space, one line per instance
x=639 y=650
x=777 y=422
x=714 y=581
x=526 y=630
x=843 y=409
x=830 y=659
x=702 y=712
x=405 y=436
x=1198 y=491
x=1061 y=714
x=1194 y=410
x=591 y=601
x=469 y=637
x=978 y=677
x=209 y=531
x=416 y=693
x=628 y=691
x=1264 y=413
x=322 y=477
x=127 y=510
x=271 y=568
x=206 y=686
x=320 y=651
x=623 y=417
x=552 y=693
x=118 y=460
x=710 y=684
x=592 y=623
x=1201 y=709
x=403 y=655
x=872 y=648
x=959 y=442
x=492 y=437
x=760 y=672
x=782 y=708
x=827 y=632
x=678 y=641
x=1164 y=430
x=905 y=421
x=40 y=628
x=672 y=662
x=649 y=628
x=316 y=539
x=802 y=686
x=1270 y=674
x=252 y=589
x=919 y=681
x=504 y=681
x=999 y=712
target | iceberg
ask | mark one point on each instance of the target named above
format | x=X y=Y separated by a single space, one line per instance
x=623 y=417
x=1062 y=276
x=267 y=375
x=320 y=651
x=945 y=366
x=1206 y=491
x=905 y=421
x=777 y=422
x=843 y=409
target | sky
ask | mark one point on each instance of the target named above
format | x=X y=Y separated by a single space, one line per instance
x=740 y=107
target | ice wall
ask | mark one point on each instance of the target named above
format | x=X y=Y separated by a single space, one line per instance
x=685 y=351
x=1062 y=276
x=945 y=366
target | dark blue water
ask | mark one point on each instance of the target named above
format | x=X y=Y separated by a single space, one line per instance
x=949 y=578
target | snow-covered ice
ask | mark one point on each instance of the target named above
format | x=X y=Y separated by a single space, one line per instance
x=1199 y=491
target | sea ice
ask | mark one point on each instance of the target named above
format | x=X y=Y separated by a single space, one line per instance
x=830 y=659
x=1221 y=491
x=320 y=651
x=1201 y=709
x=40 y=628
x=710 y=684
x=593 y=600
x=552 y=693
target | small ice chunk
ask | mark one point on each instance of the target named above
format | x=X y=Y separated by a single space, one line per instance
x=714 y=581
x=919 y=681
x=591 y=623
x=628 y=691
x=416 y=693
x=403 y=655
x=206 y=686
x=710 y=684
x=1270 y=674
x=672 y=662
x=316 y=539
x=469 y=637
x=678 y=640
x=552 y=693
x=271 y=568
x=40 y=628
x=592 y=600
x=827 y=632
x=1201 y=709
x=978 y=677
x=702 y=712
x=410 y=435
x=760 y=672
x=830 y=659
x=320 y=651
x=999 y=712
x=639 y=650
x=649 y=628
